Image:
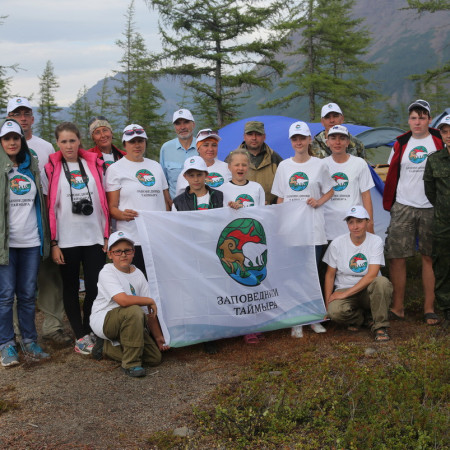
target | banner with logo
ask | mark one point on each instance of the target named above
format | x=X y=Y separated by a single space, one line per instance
x=222 y=273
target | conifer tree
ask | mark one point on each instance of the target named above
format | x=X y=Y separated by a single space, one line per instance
x=81 y=112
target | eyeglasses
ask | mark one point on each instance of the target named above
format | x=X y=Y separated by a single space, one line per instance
x=21 y=113
x=96 y=118
x=206 y=132
x=127 y=252
x=132 y=132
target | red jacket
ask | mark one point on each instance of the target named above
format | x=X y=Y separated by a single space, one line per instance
x=393 y=175
x=117 y=154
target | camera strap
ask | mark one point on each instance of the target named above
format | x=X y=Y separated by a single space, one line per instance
x=69 y=177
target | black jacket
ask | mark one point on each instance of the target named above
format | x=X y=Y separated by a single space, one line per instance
x=188 y=202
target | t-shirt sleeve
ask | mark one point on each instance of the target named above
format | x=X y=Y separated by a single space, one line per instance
x=163 y=178
x=112 y=179
x=44 y=182
x=277 y=186
x=326 y=181
x=377 y=251
x=366 y=180
x=262 y=196
x=330 y=256
x=109 y=283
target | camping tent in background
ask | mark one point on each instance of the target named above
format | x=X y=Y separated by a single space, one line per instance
x=439 y=117
x=277 y=137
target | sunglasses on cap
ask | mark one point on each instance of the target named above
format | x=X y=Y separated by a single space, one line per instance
x=96 y=118
x=137 y=131
x=207 y=132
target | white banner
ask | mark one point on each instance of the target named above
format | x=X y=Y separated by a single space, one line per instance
x=222 y=273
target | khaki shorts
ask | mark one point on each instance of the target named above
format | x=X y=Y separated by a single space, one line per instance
x=409 y=225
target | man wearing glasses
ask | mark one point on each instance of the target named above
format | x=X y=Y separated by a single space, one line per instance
x=173 y=153
x=49 y=281
x=411 y=212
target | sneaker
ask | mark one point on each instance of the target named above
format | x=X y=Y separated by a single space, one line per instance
x=297 y=331
x=135 y=372
x=58 y=337
x=318 y=328
x=84 y=345
x=9 y=356
x=93 y=337
x=35 y=350
x=97 y=350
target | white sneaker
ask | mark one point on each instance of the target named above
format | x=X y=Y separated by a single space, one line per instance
x=84 y=345
x=297 y=331
x=318 y=328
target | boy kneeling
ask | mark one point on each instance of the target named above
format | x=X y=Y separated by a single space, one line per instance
x=123 y=313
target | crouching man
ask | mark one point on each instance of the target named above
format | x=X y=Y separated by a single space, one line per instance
x=355 y=292
x=123 y=314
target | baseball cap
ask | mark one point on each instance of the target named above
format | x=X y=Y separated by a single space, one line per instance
x=10 y=127
x=132 y=131
x=445 y=121
x=338 y=129
x=420 y=104
x=331 y=107
x=207 y=133
x=195 y=162
x=254 y=126
x=119 y=236
x=182 y=114
x=299 y=128
x=358 y=211
x=17 y=102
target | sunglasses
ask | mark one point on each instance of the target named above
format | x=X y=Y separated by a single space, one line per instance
x=127 y=252
x=207 y=132
x=96 y=118
x=137 y=131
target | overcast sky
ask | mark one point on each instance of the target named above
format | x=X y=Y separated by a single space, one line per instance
x=78 y=36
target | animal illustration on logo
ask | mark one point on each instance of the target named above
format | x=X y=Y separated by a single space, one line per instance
x=145 y=177
x=245 y=200
x=418 y=155
x=341 y=181
x=76 y=180
x=298 y=181
x=358 y=263
x=20 y=184
x=214 y=180
x=242 y=251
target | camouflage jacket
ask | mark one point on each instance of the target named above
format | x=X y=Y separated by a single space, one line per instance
x=320 y=149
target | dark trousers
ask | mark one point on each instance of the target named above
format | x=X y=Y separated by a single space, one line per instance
x=93 y=259
x=138 y=259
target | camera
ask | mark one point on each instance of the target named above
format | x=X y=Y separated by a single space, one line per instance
x=84 y=207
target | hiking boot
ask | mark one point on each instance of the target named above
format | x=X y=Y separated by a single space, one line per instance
x=35 y=350
x=9 y=356
x=135 y=372
x=97 y=350
x=59 y=338
x=84 y=345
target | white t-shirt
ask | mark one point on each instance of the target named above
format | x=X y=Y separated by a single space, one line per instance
x=41 y=150
x=411 y=188
x=75 y=230
x=108 y=159
x=23 y=227
x=352 y=261
x=250 y=194
x=141 y=186
x=217 y=176
x=300 y=181
x=350 y=180
x=111 y=282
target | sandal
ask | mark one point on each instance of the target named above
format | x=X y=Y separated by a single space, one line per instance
x=381 y=335
x=251 y=339
x=394 y=316
x=431 y=316
x=260 y=336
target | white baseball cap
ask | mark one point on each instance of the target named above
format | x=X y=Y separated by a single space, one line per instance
x=331 y=107
x=17 y=102
x=358 y=211
x=299 y=128
x=195 y=162
x=132 y=131
x=445 y=121
x=182 y=114
x=207 y=133
x=10 y=126
x=420 y=104
x=338 y=129
x=119 y=236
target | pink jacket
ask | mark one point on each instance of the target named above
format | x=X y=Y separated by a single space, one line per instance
x=53 y=170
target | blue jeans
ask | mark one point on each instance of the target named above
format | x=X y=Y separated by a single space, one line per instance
x=19 y=278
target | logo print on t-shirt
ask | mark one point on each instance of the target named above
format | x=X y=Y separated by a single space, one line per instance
x=245 y=200
x=145 y=177
x=76 y=180
x=133 y=291
x=341 y=181
x=418 y=154
x=33 y=153
x=358 y=263
x=298 y=181
x=20 y=184
x=214 y=179
x=107 y=163
x=202 y=207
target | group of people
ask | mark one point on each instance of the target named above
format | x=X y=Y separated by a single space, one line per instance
x=65 y=204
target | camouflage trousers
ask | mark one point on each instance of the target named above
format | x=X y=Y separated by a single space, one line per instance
x=441 y=268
